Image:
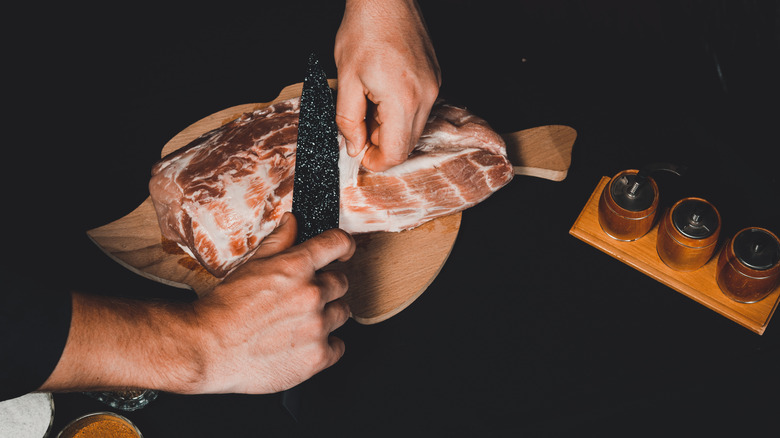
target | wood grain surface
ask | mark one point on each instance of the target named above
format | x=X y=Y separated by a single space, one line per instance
x=388 y=271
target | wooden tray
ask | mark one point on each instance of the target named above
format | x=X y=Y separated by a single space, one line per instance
x=699 y=285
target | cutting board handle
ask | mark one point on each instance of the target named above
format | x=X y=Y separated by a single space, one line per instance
x=543 y=152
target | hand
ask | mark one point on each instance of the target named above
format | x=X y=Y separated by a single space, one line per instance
x=273 y=316
x=264 y=329
x=389 y=78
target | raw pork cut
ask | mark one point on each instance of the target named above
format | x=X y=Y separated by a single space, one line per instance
x=220 y=195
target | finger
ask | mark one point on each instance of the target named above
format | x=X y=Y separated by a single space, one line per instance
x=351 y=114
x=381 y=158
x=372 y=125
x=336 y=314
x=374 y=141
x=336 y=350
x=418 y=126
x=333 y=284
x=280 y=238
x=335 y=244
x=393 y=138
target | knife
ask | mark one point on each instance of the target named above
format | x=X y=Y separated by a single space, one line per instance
x=316 y=184
x=316 y=187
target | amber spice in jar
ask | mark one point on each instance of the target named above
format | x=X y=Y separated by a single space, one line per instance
x=749 y=265
x=688 y=234
x=101 y=424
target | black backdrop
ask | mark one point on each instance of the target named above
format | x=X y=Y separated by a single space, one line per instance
x=527 y=330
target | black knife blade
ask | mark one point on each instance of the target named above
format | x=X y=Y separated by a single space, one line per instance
x=316 y=184
x=316 y=187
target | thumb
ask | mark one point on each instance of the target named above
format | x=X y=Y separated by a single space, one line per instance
x=350 y=115
x=280 y=238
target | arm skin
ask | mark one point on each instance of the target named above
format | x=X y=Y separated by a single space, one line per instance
x=389 y=78
x=264 y=329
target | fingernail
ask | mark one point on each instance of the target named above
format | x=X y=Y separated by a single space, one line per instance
x=351 y=149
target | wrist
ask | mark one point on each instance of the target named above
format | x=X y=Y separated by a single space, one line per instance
x=177 y=362
x=118 y=344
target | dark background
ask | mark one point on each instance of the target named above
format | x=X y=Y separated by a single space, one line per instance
x=526 y=331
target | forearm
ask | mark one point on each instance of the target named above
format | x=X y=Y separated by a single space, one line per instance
x=115 y=343
x=409 y=7
x=404 y=16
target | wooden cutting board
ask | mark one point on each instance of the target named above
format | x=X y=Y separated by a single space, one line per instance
x=388 y=271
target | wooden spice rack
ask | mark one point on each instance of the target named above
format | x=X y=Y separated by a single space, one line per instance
x=699 y=285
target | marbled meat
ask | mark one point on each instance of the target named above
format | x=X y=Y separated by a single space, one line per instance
x=220 y=195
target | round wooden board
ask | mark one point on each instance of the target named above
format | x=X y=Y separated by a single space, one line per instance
x=386 y=274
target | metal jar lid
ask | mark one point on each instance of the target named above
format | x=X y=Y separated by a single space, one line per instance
x=757 y=249
x=695 y=219
x=632 y=192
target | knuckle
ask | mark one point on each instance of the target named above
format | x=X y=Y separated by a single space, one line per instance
x=283 y=274
x=309 y=298
x=337 y=238
x=320 y=358
x=427 y=92
x=318 y=326
x=341 y=313
x=345 y=309
x=339 y=280
x=394 y=159
x=431 y=92
x=284 y=264
x=433 y=80
x=295 y=263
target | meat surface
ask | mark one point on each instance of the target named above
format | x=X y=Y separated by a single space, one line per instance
x=220 y=195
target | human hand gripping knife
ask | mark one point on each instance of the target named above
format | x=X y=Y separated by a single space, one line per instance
x=316 y=187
